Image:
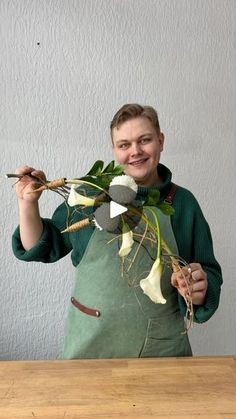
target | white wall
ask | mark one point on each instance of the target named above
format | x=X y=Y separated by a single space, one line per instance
x=66 y=67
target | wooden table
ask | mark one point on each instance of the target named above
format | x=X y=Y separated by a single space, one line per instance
x=119 y=388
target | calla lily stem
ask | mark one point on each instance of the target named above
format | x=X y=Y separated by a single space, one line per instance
x=156 y=230
x=81 y=182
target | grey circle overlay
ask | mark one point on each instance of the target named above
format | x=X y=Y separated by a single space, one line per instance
x=126 y=197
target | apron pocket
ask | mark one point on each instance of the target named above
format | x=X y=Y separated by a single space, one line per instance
x=165 y=337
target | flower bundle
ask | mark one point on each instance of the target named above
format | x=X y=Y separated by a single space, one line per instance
x=110 y=184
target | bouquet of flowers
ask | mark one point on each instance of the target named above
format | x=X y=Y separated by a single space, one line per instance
x=108 y=185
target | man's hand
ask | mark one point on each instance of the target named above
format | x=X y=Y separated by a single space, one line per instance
x=26 y=185
x=194 y=281
x=31 y=225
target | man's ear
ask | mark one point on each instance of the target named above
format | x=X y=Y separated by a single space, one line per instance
x=161 y=140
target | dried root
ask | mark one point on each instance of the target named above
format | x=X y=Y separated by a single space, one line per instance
x=52 y=185
x=77 y=226
x=187 y=294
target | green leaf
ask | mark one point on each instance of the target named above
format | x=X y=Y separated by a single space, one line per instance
x=96 y=169
x=155 y=194
x=167 y=209
x=150 y=202
x=109 y=168
x=101 y=181
x=118 y=170
x=152 y=198
x=105 y=181
x=88 y=179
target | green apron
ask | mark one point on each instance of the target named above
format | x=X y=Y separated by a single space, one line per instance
x=130 y=324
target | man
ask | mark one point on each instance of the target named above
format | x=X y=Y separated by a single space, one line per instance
x=130 y=324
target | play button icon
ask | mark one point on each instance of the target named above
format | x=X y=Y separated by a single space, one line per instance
x=116 y=209
x=123 y=207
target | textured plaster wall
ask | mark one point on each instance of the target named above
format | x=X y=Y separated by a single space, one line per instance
x=66 y=67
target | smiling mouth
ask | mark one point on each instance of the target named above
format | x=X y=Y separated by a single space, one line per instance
x=138 y=162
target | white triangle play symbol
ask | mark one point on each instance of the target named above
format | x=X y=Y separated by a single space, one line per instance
x=116 y=209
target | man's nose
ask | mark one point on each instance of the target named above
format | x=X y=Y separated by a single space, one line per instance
x=135 y=149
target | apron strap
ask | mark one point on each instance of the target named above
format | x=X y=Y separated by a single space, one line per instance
x=171 y=194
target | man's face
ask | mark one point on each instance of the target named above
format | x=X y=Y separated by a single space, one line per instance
x=138 y=146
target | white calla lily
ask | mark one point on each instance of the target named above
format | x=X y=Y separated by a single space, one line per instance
x=151 y=285
x=127 y=242
x=77 y=199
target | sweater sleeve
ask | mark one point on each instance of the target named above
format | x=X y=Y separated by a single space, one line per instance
x=52 y=245
x=194 y=242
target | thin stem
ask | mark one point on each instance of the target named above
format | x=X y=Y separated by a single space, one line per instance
x=81 y=182
x=163 y=243
x=21 y=175
x=158 y=231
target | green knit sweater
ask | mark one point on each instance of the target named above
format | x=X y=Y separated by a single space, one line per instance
x=190 y=228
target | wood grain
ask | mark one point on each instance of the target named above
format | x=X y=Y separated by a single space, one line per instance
x=119 y=388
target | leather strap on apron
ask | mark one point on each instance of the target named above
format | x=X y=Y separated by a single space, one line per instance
x=84 y=309
x=171 y=194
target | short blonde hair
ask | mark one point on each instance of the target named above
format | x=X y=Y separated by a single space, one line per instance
x=134 y=110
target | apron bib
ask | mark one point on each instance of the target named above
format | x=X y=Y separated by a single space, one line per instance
x=130 y=324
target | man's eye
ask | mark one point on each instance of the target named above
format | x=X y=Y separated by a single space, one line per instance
x=145 y=140
x=123 y=146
